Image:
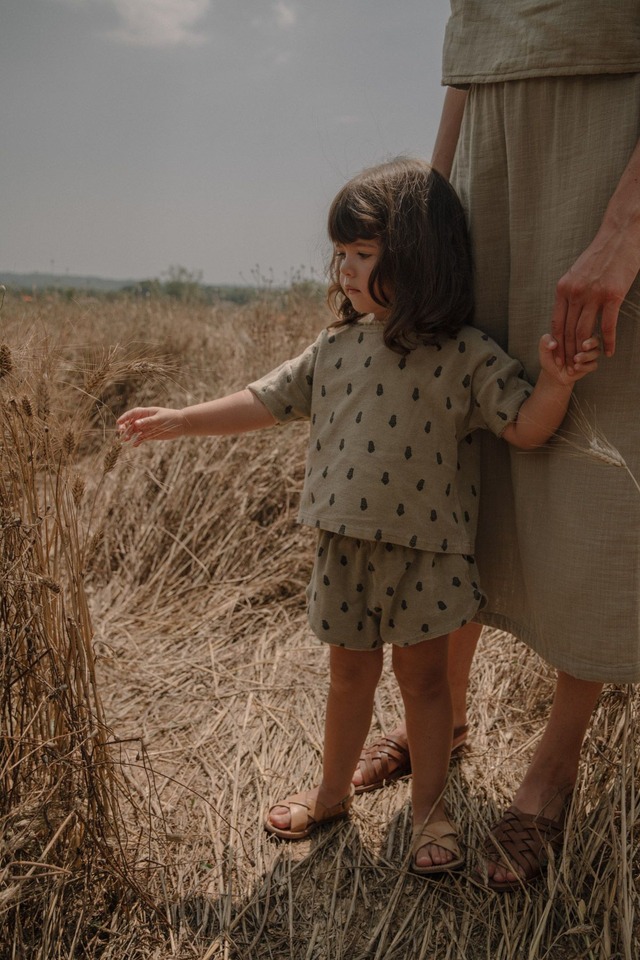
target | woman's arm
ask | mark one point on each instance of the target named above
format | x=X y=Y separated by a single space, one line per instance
x=236 y=413
x=448 y=131
x=600 y=279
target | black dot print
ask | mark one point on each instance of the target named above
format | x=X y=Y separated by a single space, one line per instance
x=371 y=446
x=448 y=490
x=462 y=347
x=402 y=363
x=420 y=485
x=318 y=445
x=309 y=380
x=392 y=624
x=363 y=503
x=393 y=420
x=343 y=561
x=359 y=416
x=379 y=390
x=407 y=453
x=448 y=403
x=456 y=582
x=500 y=383
x=442 y=605
x=344 y=607
x=367 y=362
x=342 y=530
x=425 y=628
x=400 y=510
x=361 y=337
x=350 y=473
x=413 y=541
x=390 y=591
x=325 y=472
x=467 y=381
x=338 y=363
x=419 y=586
x=385 y=478
x=326 y=581
x=378 y=535
x=360 y=587
x=341 y=444
x=288 y=408
x=325 y=625
x=427 y=426
x=444 y=546
x=331 y=338
x=439 y=458
x=416 y=394
x=437 y=372
x=349 y=389
x=434 y=515
x=491 y=361
x=332 y=499
x=323 y=390
x=502 y=415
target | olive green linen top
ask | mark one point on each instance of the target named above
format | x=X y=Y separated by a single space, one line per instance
x=391 y=454
x=488 y=41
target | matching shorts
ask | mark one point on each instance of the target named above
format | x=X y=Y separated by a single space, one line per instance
x=364 y=593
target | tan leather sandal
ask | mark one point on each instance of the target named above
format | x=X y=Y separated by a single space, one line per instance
x=444 y=834
x=387 y=760
x=307 y=814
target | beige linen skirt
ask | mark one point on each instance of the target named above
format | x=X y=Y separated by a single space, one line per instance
x=558 y=545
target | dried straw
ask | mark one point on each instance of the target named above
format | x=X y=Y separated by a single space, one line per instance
x=214 y=691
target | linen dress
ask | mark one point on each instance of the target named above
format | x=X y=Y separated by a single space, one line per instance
x=547 y=131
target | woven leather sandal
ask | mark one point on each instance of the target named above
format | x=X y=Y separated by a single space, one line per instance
x=444 y=834
x=387 y=760
x=521 y=843
x=307 y=814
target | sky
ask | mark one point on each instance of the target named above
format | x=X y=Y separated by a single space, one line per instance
x=141 y=135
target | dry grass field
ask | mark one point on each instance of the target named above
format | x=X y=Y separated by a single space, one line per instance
x=160 y=687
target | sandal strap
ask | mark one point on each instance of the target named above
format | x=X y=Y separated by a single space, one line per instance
x=521 y=839
x=306 y=809
x=385 y=759
x=443 y=833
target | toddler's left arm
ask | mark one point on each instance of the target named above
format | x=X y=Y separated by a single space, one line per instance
x=542 y=413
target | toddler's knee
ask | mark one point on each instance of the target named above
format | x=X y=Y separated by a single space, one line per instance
x=423 y=684
x=355 y=670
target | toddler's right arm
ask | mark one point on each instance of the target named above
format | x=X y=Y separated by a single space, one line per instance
x=236 y=413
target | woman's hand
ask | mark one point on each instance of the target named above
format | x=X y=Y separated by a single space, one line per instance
x=151 y=423
x=601 y=277
x=594 y=286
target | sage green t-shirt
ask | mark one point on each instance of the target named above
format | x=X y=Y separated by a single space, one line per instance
x=487 y=41
x=391 y=452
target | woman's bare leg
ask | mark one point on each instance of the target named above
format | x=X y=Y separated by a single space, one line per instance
x=553 y=770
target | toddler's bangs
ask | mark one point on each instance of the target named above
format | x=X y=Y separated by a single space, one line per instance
x=352 y=218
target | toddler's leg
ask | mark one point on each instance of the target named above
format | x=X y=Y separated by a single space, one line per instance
x=354 y=676
x=421 y=671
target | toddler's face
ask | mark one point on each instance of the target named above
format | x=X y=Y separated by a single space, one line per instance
x=357 y=261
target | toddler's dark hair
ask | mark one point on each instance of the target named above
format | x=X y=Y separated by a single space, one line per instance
x=424 y=272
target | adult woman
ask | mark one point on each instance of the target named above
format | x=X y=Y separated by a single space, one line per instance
x=541 y=124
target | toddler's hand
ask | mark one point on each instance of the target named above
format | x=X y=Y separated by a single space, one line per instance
x=150 y=423
x=568 y=373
